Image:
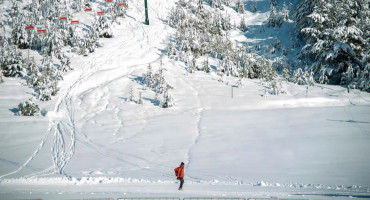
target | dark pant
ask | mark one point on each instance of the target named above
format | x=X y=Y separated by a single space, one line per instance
x=181 y=182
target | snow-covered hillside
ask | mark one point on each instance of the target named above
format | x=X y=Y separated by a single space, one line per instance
x=94 y=138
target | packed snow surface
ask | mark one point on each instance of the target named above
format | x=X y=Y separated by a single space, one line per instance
x=92 y=142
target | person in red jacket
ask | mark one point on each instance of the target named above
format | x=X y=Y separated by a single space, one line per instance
x=180 y=174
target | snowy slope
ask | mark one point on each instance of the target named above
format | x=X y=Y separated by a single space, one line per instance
x=311 y=141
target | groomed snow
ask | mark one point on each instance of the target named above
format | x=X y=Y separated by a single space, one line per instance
x=310 y=141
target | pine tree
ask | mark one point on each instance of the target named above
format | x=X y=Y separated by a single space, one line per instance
x=286 y=71
x=12 y=63
x=1 y=76
x=171 y=50
x=167 y=100
x=334 y=37
x=243 y=26
x=285 y=12
x=275 y=19
x=206 y=67
x=102 y=26
x=299 y=77
x=240 y=6
x=132 y=97
x=140 y=99
x=254 y=6
x=148 y=77
x=200 y=8
x=273 y=3
x=192 y=65
x=323 y=79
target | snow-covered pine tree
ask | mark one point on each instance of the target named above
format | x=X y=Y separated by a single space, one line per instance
x=275 y=18
x=1 y=76
x=309 y=79
x=28 y=108
x=285 y=12
x=140 y=98
x=200 y=8
x=102 y=27
x=192 y=65
x=348 y=76
x=276 y=87
x=286 y=70
x=254 y=6
x=267 y=73
x=45 y=79
x=334 y=37
x=240 y=6
x=167 y=100
x=12 y=62
x=148 y=77
x=132 y=96
x=243 y=26
x=323 y=78
x=206 y=67
x=52 y=43
x=273 y=3
x=299 y=77
x=171 y=50
x=65 y=64
x=239 y=83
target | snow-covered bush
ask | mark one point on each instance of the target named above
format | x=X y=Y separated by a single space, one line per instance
x=28 y=108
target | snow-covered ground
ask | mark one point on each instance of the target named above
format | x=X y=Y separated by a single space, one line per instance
x=234 y=141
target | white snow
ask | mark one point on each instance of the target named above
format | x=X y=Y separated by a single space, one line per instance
x=307 y=141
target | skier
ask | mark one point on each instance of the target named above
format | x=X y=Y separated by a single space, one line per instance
x=180 y=174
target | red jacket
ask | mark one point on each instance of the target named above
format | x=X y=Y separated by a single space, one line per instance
x=180 y=171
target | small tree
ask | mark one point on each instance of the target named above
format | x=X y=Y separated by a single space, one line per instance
x=285 y=12
x=28 y=108
x=240 y=6
x=298 y=77
x=140 y=99
x=206 y=67
x=243 y=26
x=273 y=2
x=323 y=79
x=275 y=19
x=192 y=65
x=102 y=26
x=132 y=97
x=254 y=6
x=167 y=100
x=148 y=77
x=1 y=76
